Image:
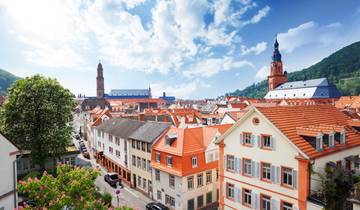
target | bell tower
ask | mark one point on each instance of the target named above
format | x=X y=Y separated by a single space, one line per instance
x=277 y=76
x=100 y=91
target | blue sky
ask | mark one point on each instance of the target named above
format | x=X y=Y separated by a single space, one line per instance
x=188 y=48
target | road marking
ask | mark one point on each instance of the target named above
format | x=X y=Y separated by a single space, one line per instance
x=131 y=192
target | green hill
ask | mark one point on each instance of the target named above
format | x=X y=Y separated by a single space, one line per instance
x=342 y=68
x=6 y=80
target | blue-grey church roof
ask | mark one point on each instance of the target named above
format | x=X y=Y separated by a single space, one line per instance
x=129 y=93
x=315 y=88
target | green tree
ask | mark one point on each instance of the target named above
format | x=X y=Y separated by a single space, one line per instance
x=72 y=187
x=37 y=116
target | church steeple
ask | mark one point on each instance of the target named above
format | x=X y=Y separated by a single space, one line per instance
x=100 y=91
x=277 y=76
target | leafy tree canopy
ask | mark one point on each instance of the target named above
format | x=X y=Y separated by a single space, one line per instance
x=37 y=116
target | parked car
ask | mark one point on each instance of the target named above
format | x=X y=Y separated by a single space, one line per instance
x=112 y=179
x=156 y=206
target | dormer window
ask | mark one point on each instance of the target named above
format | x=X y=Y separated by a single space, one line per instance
x=319 y=142
x=194 y=162
x=343 y=137
x=332 y=139
x=170 y=138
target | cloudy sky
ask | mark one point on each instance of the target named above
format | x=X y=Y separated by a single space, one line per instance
x=188 y=48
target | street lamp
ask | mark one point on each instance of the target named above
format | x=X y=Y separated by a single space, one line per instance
x=117 y=192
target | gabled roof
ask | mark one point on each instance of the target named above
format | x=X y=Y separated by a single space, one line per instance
x=150 y=131
x=236 y=115
x=288 y=118
x=120 y=127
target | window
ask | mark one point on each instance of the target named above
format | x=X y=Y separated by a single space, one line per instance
x=138 y=162
x=194 y=162
x=117 y=141
x=149 y=148
x=133 y=160
x=247 y=138
x=247 y=197
x=169 y=200
x=143 y=146
x=230 y=191
x=157 y=175
x=144 y=164
x=342 y=137
x=190 y=181
x=138 y=143
x=331 y=139
x=144 y=183
x=125 y=145
x=217 y=174
x=208 y=177
x=199 y=180
x=247 y=167
x=191 y=204
x=133 y=143
x=230 y=163
x=99 y=144
x=266 y=141
x=72 y=162
x=200 y=201
x=319 y=142
x=287 y=176
x=265 y=171
x=208 y=197
x=149 y=166
x=171 y=181
x=265 y=202
x=117 y=152
x=110 y=138
x=286 y=206
x=159 y=196
x=157 y=157
x=139 y=181
x=169 y=160
x=111 y=150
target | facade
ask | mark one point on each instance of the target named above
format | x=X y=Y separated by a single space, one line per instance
x=184 y=163
x=140 y=153
x=268 y=152
x=8 y=152
x=112 y=148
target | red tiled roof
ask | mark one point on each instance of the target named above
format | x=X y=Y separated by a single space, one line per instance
x=348 y=102
x=238 y=105
x=288 y=118
x=236 y=115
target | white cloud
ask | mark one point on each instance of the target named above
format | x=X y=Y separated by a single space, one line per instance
x=263 y=72
x=212 y=66
x=257 y=49
x=184 y=90
x=308 y=33
x=262 y=13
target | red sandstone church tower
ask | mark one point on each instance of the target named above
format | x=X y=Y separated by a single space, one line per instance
x=277 y=76
x=100 y=91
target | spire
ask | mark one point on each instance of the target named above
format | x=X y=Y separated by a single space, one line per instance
x=276 y=54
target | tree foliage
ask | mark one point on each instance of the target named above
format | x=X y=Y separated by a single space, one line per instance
x=342 y=68
x=36 y=116
x=72 y=187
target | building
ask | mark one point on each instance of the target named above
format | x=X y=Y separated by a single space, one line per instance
x=349 y=103
x=268 y=153
x=112 y=145
x=100 y=89
x=279 y=88
x=8 y=194
x=140 y=153
x=185 y=162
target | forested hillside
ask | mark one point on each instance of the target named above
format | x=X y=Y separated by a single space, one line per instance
x=6 y=80
x=342 y=68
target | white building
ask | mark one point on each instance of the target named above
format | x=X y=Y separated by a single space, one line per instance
x=8 y=152
x=268 y=152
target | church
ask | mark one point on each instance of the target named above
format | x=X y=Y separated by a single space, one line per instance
x=280 y=88
x=118 y=93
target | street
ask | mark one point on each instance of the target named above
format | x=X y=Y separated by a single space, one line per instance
x=127 y=197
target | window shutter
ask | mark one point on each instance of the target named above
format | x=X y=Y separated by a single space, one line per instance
x=252 y=140
x=259 y=141
x=239 y=195
x=240 y=165
x=255 y=201
x=274 y=204
x=236 y=165
x=295 y=179
x=278 y=175
x=253 y=168
x=225 y=163
x=257 y=170
x=236 y=193
x=272 y=143
x=224 y=190
x=272 y=174
x=241 y=139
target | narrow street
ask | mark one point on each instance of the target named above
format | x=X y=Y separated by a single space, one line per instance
x=128 y=197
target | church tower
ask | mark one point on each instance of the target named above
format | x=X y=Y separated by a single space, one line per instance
x=100 y=91
x=277 y=76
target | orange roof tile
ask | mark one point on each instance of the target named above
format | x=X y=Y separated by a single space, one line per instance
x=348 y=102
x=288 y=118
